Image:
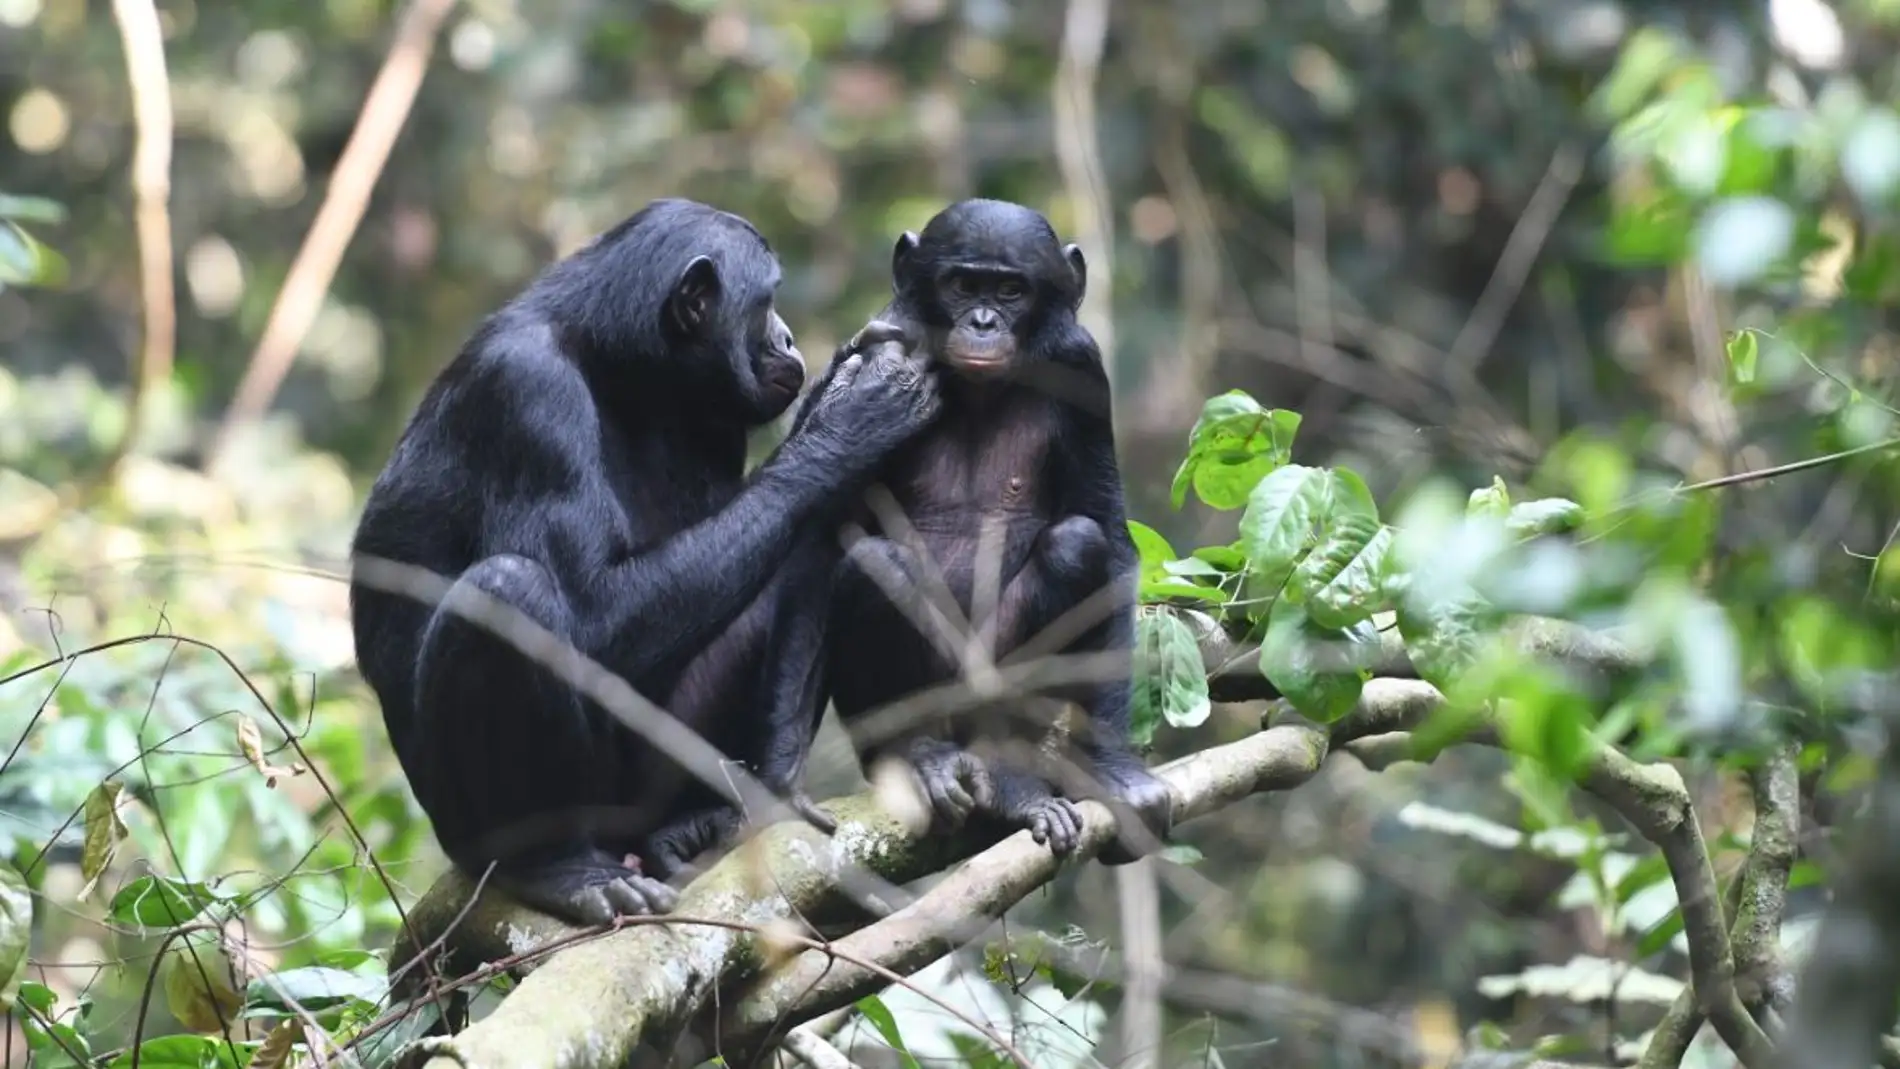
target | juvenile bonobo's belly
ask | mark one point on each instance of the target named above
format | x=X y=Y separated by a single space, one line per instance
x=974 y=500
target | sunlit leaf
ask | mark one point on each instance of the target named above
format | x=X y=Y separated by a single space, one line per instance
x=200 y=989
x=188 y=1052
x=16 y=931
x=1647 y=57
x=1181 y=854
x=1153 y=549
x=1446 y=636
x=1743 y=350
x=1280 y=521
x=1493 y=500
x=1232 y=446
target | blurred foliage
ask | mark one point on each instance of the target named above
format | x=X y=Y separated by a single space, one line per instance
x=1375 y=354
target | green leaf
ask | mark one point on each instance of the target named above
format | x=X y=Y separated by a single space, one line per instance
x=32 y=209
x=1358 y=591
x=1646 y=59
x=104 y=832
x=1231 y=560
x=1446 y=637
x=1548 y=515
x=1153 y=549
x=159 y=902
x=1170 y=678
x=1312 y=667
x=315 y=988
x=1493 y=500
x=1350 y=525
x=16 y=931
x=1743 y=349
x=1155 y=592
x=1233 y=445
x=1191 y=566
x=977 y=1053
x=1282 y=514
x=879 y=1015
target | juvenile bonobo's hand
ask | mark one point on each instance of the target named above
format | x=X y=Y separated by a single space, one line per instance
x=877 y=397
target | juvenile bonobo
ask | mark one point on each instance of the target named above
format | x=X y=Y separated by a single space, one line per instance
x=582 y=460
x=1025 y=443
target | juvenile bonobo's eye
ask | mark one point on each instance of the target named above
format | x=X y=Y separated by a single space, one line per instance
x=1010 y=290
x=962 y=285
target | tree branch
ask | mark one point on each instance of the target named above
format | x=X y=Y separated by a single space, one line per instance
x=594 y=1004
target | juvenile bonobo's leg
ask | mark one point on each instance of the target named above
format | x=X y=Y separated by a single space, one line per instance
x=506 y=758
x=1071 y=563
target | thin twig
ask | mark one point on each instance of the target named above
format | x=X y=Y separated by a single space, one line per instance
x=385 y=110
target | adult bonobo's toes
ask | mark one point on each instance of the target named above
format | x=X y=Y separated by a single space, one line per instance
x=805 y=806
x=1140 y=794
x=589 y=890
x=1055 y=823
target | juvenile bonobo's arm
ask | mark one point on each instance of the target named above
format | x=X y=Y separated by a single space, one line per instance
x=656 y=605
x=1090 y=497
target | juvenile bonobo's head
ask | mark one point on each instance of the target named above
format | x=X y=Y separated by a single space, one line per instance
x=984 y=278
x=691 y=289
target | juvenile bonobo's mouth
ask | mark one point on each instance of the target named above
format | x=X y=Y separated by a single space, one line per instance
x=979 y=359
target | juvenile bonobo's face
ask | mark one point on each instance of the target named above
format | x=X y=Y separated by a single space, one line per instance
x=984 y=277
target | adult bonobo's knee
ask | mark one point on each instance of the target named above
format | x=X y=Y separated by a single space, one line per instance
x=582 y=460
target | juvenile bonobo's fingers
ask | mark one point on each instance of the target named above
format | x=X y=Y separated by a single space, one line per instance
x=955 y=782
x=1056 y=823
x=638 y=896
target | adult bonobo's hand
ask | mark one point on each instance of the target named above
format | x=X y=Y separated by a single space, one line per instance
x=876 y=396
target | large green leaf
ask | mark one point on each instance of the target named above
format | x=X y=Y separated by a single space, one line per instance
x=1170 y=678
x=1349 y=527
x=314 y=989
x=1304 y=663
x=1282 y=516
x=880 y=1016
x=159 y=902
x=1445 y=636
x=1358 y=591
x=1233 y=445
x=1548 y=515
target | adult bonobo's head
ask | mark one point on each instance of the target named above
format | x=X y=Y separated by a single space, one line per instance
x=687 y=290
x=983 y=280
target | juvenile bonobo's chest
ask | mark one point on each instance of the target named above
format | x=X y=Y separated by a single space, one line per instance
x=986 y=457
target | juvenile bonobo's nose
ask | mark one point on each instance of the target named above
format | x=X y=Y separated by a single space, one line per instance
x=984 y=321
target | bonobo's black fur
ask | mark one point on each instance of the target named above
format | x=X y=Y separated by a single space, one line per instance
x=582 y=460
x=990 y=295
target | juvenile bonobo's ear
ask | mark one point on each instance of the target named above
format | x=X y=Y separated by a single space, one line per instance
x=693 y=295
x=1078 y=267
x=900 y=255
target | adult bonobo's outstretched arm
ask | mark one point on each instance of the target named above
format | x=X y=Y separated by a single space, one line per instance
x=582 y=461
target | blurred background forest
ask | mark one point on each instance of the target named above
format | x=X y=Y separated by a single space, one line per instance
x=1459 y=237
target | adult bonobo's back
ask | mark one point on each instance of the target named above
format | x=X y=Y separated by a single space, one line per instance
x=1021 y=461
x=582 y=460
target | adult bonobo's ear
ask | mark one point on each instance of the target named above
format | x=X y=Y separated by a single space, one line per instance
x=1078 y=267
x=900 y=255
x=693 y=295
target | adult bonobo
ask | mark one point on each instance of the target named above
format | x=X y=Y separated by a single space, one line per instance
x=1026 y=446
x=582 y=459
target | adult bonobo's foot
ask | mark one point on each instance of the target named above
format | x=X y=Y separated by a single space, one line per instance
x=955 y=781
x=1143 y=807
x=589 y=888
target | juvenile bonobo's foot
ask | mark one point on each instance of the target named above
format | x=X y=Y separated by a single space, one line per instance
x=955 y=781
x=1054 y=822
x=589 y=888
x=1133 y=790
x=807 y=807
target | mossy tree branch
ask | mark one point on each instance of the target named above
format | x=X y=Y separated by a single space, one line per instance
x=596 y=1003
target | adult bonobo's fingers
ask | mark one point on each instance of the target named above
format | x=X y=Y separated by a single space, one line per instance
x=875 y=333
